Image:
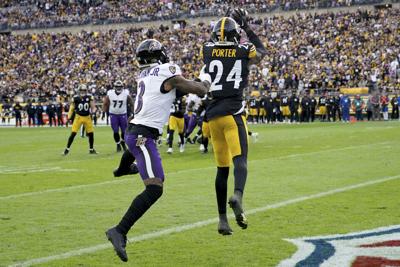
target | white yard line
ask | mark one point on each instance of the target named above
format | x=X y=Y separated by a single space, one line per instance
x=34 y=169
x=118 y=181
x=198 y=224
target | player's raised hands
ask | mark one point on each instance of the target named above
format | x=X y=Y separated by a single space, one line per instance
x=240 y=16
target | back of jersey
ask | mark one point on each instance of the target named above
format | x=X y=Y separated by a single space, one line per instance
x=228 y=68
x=152 y=103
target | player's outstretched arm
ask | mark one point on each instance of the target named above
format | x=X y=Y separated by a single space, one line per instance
x=240 y=16
x=131 y=103
x=187 y=86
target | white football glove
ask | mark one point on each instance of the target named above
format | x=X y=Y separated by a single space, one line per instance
x=204 y=76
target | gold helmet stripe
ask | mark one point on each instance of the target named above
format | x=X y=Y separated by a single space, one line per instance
x=223 y=28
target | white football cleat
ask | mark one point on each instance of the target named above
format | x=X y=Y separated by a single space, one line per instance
x=182 y=148
x=170 y=150
x=201 y=148
x=254 y=136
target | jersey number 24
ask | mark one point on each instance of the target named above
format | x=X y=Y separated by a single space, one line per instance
x=235 y=74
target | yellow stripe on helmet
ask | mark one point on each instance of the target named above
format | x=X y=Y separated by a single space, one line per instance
x=223 y=28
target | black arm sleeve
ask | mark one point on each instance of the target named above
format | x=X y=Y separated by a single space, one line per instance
x=253 y=38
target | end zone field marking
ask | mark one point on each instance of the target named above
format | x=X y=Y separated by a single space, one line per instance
x=199 y=224
x=118 y=181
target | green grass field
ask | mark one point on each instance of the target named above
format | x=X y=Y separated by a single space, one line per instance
x=54 y=209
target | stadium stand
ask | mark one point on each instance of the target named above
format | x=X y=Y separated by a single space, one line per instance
x=307 y=53
x=40 y=13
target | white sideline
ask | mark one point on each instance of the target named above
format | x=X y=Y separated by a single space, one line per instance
x=186 y=227
x=118 y=181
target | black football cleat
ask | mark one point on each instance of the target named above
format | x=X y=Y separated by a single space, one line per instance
x=66 y=151
x=133 y=169
x=119 y=148
x=92 y=151
x=119 y=243
x=123 y=146
x=236 y=206
x=224 y=228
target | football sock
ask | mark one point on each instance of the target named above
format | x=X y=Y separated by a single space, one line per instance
x=126 y=160
x=122 y=137
x=170 y=137
x=240 y=172
x=71 y=139
x=116 y=138
x=205 y=142
x=181 y=135
x=221 y=188
x=91 y=139
x=139 y=206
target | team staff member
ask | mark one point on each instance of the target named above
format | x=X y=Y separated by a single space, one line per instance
x=18 y=115
x=313 y=104
x=82 y=104
x=294 y=103
x=31 y=110
x=39 y=114
x=227 y=66
x=269 y=107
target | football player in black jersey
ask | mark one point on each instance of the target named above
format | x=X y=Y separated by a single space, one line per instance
x=227 y=64
x=81 y=105
x=285 y=111
x=176 y=123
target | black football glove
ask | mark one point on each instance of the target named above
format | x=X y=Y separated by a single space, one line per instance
x=240 y=16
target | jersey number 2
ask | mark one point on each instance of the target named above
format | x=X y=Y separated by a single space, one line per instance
x=235 y=75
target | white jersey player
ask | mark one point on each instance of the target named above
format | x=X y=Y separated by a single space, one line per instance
x=158 y=84
x=116 y=104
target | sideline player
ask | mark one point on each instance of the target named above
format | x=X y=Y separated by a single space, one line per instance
x=227 y=63
x=176 y=123
x=82 y=104
x=116 y=103
x=159 y=83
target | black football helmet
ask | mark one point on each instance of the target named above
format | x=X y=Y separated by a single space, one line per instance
x=226 y=32
x=151 y=52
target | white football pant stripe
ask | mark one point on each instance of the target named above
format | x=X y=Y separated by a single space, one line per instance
x=147 y=160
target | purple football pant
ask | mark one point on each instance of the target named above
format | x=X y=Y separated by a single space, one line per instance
x=119 y=121
x=148 y=160
x=191 y=124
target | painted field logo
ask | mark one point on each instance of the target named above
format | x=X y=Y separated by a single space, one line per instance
x=374 y=248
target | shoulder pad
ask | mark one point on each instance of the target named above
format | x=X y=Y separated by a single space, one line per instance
x=169 y=69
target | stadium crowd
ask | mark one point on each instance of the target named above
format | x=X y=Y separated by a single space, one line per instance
x=306 y=53
x=42 y=13
x=319 y=52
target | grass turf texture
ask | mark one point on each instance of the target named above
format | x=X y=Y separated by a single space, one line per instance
x=287 y=162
